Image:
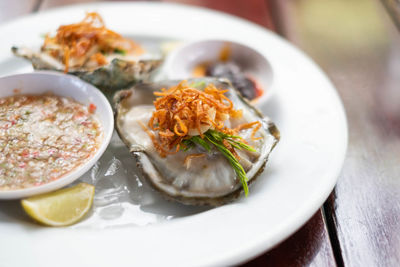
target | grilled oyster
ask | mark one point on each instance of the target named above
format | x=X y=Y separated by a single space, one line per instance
x=94 y=53
x=208 y=180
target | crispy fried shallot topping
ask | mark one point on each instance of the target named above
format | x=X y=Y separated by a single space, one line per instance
x=183 y=111
x=88 y=38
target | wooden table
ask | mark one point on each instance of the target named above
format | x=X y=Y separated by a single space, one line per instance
x=357 y=45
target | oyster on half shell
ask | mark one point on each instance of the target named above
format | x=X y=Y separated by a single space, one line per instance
x=208 y=180
x=120 y=73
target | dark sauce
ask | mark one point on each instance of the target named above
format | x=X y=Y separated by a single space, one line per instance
x=229 y=70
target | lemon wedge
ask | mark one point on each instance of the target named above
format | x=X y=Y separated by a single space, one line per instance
x=60 y=208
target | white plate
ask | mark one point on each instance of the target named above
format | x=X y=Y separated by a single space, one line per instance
x=300 y=175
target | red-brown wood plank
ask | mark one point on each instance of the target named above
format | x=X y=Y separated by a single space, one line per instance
x=309 y=246
x=257 y=11
x=358 y=46
x=12 y=9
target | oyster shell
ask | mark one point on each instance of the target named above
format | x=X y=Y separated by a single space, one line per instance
x=209 y=180
x=120 y=73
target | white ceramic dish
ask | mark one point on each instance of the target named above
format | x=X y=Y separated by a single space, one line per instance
x=182 y=61
x=301 y=173
x=67 y=86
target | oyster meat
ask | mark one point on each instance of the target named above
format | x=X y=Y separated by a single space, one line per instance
x=206 y=180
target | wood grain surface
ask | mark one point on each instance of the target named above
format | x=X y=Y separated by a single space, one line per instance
x=361 y=54
x=309 y=246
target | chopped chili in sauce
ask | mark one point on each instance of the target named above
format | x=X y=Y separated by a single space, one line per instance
x=43 y=138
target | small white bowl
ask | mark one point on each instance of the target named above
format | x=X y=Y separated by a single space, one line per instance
x=67 y=86
x=181 y=62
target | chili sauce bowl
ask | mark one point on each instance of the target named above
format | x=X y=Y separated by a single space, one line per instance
x=184 y=62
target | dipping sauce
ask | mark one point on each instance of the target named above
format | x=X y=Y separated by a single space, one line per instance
x=43 y=138
x=225 y=68
x=242 y=82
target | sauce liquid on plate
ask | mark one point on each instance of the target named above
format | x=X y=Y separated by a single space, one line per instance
x=43 y=138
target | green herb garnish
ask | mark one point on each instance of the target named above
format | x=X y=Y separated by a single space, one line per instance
x=189 y=143
x=232 y=139
x=120 y=51
x=216 y=138
x=198 y=85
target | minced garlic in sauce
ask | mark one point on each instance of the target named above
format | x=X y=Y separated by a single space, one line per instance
x=44 y=137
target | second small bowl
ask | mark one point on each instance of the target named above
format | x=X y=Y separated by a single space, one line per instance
x=182 y=62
